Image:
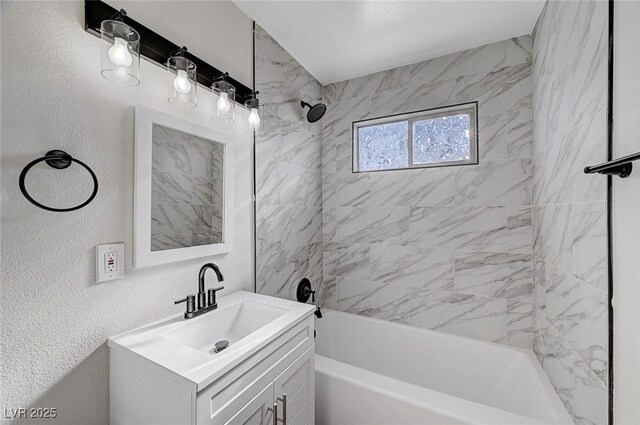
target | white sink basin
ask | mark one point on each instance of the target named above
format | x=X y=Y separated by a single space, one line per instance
x=231 y=323
x=186 y=347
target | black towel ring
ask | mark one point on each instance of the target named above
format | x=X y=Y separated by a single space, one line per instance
x=59 y=160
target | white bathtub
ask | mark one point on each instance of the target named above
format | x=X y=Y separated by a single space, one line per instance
x=373 y=372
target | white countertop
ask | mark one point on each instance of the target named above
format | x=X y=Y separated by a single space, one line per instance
x=197 y=366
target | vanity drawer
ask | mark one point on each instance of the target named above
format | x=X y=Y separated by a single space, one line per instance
x=218 y=402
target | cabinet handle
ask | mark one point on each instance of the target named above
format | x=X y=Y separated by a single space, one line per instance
x=274 y=409
x=283 y=399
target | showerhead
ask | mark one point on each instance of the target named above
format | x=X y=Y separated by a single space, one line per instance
x=315 y=111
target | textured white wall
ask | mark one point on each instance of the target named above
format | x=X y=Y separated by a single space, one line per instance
x=55 y=318
x=626 y=227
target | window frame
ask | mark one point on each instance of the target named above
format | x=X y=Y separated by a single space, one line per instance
x=410 y=118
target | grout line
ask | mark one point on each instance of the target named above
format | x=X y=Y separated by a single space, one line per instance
x=569 y=274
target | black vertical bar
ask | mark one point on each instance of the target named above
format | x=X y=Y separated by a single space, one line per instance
x=610 y=206
x=255 y=198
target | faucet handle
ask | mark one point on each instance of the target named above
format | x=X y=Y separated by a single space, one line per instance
x=212 y=295
x=191 y=303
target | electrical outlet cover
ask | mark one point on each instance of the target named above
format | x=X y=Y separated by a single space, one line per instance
x=109 y=261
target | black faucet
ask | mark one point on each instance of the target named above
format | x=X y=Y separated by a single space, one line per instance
x=206 y=300
x=202 y=296
x=303 y=292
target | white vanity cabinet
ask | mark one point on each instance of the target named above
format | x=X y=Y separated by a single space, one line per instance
x=156 y=380
x=290 y=396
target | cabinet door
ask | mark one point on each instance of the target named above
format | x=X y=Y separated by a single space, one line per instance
x=256 y=411
x=298 y=383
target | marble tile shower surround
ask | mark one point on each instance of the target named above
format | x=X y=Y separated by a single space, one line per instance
x=288 y=174
x=569 y=207
x=452 y=248
x=443 y=248
x=187 y=190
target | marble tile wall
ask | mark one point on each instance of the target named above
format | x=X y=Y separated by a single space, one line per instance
x=288 y=174
x=569 y=207
x=444 y=248
x=187 y=190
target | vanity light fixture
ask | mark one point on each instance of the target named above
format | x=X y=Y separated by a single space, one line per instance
x=120 y=52
x=225 y=106
x=255 y=110
x=127 y=40
x=184 y=83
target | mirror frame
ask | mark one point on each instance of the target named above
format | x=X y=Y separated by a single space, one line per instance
x=145 y=118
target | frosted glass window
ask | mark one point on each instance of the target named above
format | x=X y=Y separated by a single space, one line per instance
x=445 y=138
x=384 y=146
x=432 y=138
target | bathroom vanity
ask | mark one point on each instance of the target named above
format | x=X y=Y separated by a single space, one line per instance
x=173 y=372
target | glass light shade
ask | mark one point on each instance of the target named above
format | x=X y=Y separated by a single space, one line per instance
x=255 y=115
x=120 y=53
x=183 y=82
x=225 y=105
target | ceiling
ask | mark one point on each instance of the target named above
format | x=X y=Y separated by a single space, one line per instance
x=339 y=40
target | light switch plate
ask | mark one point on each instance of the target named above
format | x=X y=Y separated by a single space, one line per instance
x=109 y=261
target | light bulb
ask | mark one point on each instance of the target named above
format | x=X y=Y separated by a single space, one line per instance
x=181 y=82
x=121 y=73
x=223 y=103
x=254 y=117
x=119 y=53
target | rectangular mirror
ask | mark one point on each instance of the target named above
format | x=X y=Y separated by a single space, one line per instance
x=183 y=179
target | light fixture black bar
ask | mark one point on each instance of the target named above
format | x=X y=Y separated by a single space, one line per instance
x=621 y=167
x=156 y=48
